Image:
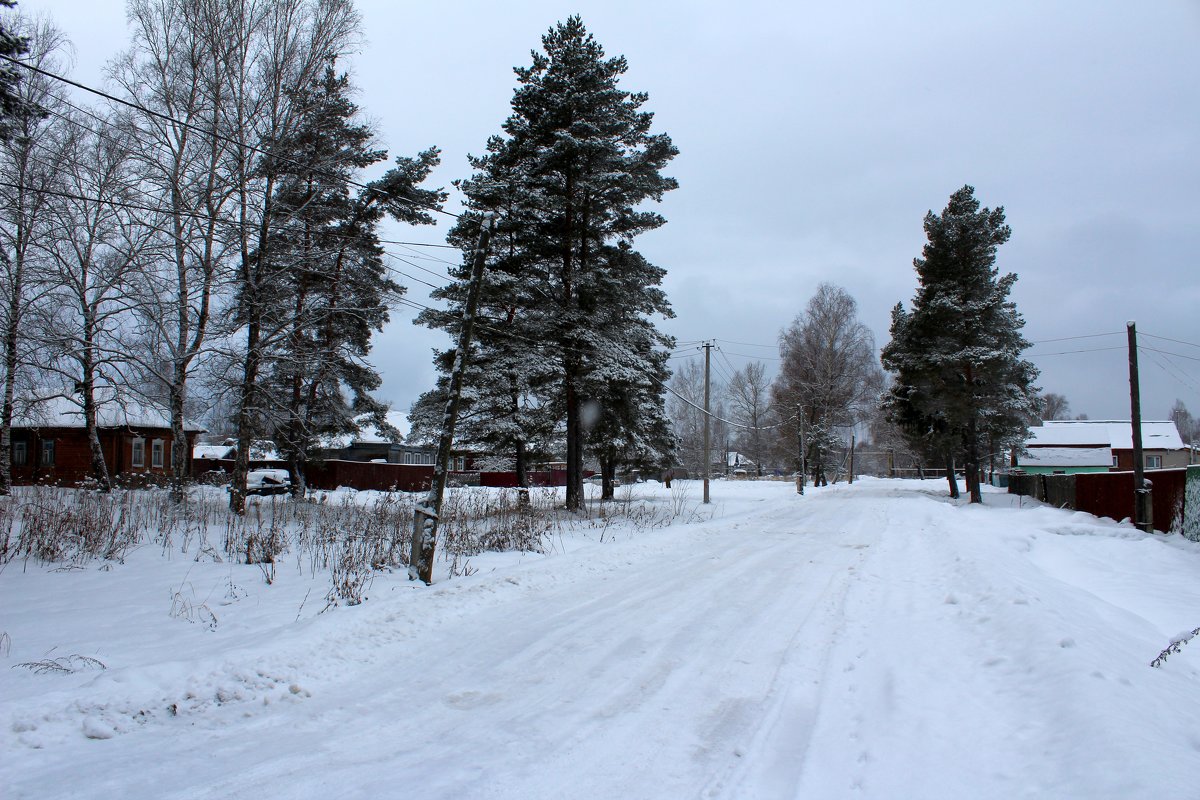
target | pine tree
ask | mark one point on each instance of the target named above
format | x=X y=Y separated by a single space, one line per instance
x=567 y=176
x=960 y=382
x=12 y=104
x=329 y=288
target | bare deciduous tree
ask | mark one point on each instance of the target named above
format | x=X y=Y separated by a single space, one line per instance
x=169 y=70
x=749 y=403
x=1054 y=406
x=31 y=156
x=93 y=252
x=830 y=372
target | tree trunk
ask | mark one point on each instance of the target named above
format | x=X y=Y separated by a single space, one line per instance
x=608 y=476
x=973 y=462
x=6 y=408
x=99 y=467
x=296 y=473
x=180 y=455
x=574 y=501
x=950 y=478
x=522 y=476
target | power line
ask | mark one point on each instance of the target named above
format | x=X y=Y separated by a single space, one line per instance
x=206 y=218
x=1073 y=338
x=205 y=132
x=1175 y=373
x=1168 y=353
x=1069 y=352
x=1166 y=339
x=749 y=344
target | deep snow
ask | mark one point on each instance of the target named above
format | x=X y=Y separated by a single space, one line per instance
x=874 y=640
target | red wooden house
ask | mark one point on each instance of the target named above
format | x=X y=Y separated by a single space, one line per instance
x=50 y=445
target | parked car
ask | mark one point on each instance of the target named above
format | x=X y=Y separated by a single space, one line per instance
x=268 y=481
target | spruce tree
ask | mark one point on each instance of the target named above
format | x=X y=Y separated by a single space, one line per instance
x=961 y=384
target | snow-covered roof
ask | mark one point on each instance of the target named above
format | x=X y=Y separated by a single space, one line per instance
x=212 y=451
x=1116 y=434
x=369 y=432
x=55 y=409
x=1067 y=457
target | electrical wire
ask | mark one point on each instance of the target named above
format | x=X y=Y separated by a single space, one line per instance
x=203 y=131
x=1166 y=339
x=1069 y=352
x=1073 y=338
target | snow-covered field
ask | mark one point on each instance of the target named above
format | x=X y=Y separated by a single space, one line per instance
x=874 y=640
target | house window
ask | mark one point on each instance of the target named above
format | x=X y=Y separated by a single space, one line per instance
x=1115 y=464
x=20 y=454
x=139 y=453
x=1153 y=462
x=156 y=453
x=460 y=463
x=417 y=459
x=47 y=452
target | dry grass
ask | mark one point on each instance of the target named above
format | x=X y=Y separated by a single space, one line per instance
x=349 y=535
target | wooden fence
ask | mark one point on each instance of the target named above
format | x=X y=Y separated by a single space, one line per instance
x=1108 y=494
x=383 y=477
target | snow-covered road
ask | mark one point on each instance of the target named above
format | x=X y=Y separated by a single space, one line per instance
x=865 y=641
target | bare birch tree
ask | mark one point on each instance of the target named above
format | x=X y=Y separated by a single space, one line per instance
x=93 y=251
x=830 y=373
x=170 y=71
x=30 y=157
x=749 y=395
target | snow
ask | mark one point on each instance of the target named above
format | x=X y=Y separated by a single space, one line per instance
x=1067 y=457
x=369 y=432
x=875 y=640
x=1117 y=434
x=217 y=451
x=47 y=408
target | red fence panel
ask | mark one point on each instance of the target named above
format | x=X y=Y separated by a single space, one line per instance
x=1110 y=494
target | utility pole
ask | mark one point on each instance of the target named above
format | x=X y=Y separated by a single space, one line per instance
x=425 y=517
x=1143 y=511
x=707 y=456
x=800 y=477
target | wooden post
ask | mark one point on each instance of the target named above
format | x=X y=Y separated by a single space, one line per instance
x=800 y=476
x=425 y=517
x=1142 y=508
x=707 y=454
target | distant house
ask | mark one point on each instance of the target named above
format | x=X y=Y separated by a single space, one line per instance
x=1072 y=446
x=734 y=464
x=50 y=444
x=385 y=444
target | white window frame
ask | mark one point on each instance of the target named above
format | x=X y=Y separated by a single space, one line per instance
x=157 y=452
x=20 y=453
x=1153 y=462
x=137 y=453
x=47 y=453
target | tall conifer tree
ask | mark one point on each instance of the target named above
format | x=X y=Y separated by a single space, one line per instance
x=960 y=381
x=567 y=177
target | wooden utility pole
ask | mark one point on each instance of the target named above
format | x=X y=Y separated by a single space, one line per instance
x=800 y=476
x=707 y=456
x=425 y=517
x=1143 y=515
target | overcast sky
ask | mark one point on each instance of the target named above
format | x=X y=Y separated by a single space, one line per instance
x=814 y=137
